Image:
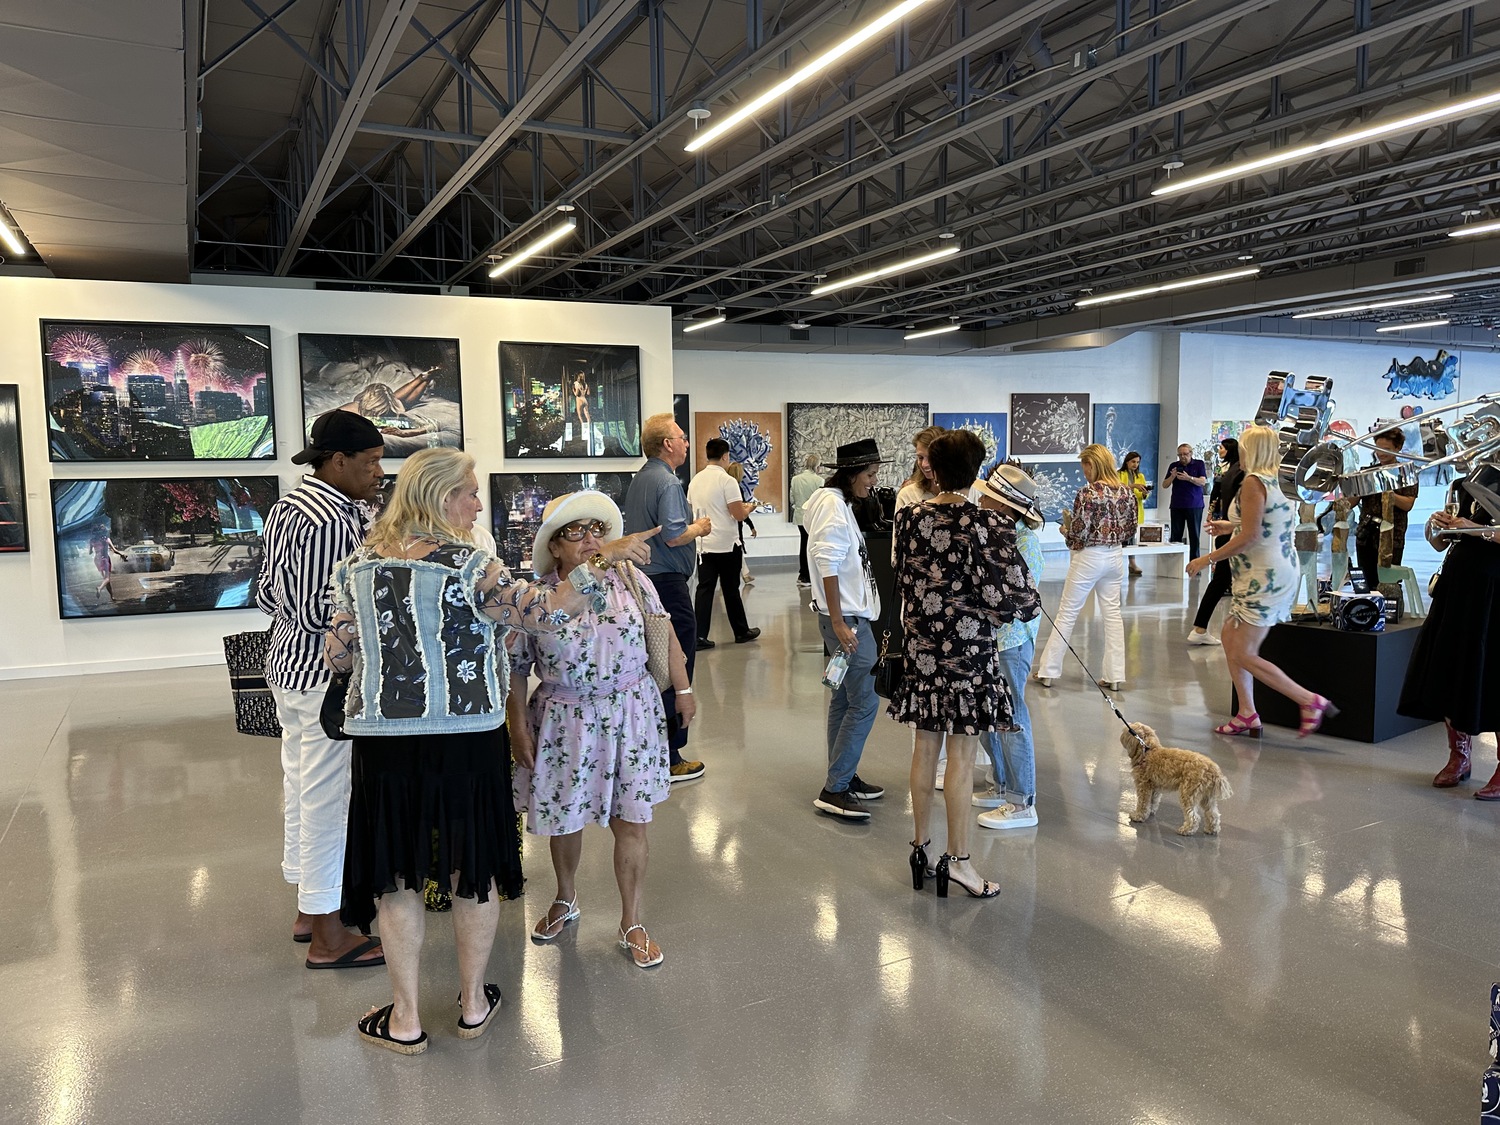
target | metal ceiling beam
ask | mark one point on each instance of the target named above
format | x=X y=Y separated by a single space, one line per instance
x=599 y=29
x=382 y=44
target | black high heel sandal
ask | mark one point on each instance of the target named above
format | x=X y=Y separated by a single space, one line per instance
x=987 y=888
x=918 y=863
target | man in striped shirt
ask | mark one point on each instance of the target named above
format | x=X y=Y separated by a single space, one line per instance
x=308 y=530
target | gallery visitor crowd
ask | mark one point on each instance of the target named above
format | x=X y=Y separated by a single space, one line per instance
x=403 y=654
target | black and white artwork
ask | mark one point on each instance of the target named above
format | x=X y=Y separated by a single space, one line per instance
x=153 y=545
x=1130 y=427
x=685 y=420
x=407 y=385
x=13 y=536
x=517 y=501
x=1057 y=482
x=158 y=392
x=1047 y=424
x=571 y=400
x=821 y=427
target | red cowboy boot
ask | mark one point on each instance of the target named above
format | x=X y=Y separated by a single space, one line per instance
x=1457 y=769
x=1491 y=790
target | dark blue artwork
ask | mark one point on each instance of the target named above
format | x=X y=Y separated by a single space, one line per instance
x=1057 y=483
x=1123 y=427
x=989 y=428
x=1423 y=378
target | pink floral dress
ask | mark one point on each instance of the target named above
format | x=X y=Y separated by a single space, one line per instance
x=596 y=719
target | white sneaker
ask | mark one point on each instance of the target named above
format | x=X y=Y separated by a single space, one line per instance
x=1203 y=638
x=1011 y=816
x=991 y=798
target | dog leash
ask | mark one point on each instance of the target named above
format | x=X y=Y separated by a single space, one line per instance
x=1108 y=699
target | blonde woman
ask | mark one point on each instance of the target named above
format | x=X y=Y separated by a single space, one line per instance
x=921 y=485
x=1263 y=567
x=1102 y=521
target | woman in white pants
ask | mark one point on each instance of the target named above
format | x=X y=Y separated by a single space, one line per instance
x=1103 y=519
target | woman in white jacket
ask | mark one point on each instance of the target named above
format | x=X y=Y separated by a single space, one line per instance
x=848 y=605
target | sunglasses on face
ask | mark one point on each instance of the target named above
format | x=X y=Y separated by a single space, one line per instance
x=575 y=532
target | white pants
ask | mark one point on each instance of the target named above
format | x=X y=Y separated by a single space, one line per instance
x=1099 y=569
x=315 y=786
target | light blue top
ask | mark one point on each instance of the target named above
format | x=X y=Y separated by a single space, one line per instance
x=1017 y=633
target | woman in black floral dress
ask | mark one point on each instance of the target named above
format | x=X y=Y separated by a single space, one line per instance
x=960 y=576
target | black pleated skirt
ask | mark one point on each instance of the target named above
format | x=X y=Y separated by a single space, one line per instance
x=1454 y=672
x=424 y=807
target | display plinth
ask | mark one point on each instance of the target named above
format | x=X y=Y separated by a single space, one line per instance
x=1360 y=672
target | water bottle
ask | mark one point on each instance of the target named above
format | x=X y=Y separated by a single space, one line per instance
x=838 y=667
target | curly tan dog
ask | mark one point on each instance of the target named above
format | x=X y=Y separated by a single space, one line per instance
x=1199 y=782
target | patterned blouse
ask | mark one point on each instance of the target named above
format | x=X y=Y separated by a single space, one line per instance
x=1103 y=516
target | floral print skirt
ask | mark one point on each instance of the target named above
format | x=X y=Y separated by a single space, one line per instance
x=596 y=758
x=958 y=692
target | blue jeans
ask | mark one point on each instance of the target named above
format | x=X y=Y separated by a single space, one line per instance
x=1011 y=751
x=851 y=708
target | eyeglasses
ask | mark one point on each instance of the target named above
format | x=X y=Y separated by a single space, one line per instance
x=575 y=532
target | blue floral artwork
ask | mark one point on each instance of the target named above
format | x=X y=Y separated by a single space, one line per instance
x=1130 y=427
x=1057 y=482
x=989 y=428
x=1423 y=378
x=755 y=445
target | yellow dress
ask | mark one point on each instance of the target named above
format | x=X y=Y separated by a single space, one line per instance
x=1130 y=480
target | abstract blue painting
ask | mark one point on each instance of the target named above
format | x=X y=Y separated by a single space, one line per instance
x=1057 y=482
x=989 y=428
x=1123 y=427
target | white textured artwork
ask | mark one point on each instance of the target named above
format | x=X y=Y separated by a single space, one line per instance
x=1041 y=425
x=821 y=427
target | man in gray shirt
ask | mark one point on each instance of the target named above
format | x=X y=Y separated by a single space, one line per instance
x=804 y=484
x=656 y=499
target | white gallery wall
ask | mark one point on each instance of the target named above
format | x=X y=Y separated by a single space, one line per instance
x=34 y=641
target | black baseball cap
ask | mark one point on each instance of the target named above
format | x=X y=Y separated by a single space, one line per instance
x=339 y=431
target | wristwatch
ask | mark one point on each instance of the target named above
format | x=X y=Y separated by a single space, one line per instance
x=598 y=560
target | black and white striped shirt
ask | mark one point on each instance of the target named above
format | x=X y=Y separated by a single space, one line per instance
x=307 y=531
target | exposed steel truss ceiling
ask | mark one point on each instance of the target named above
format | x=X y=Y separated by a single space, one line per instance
x=412 y=142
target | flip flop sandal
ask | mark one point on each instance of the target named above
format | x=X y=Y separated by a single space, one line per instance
x=351 y=960
x=475 y=1030
x=640 y=954
x=545 y=931
x=303 y=939
x=376 y=1028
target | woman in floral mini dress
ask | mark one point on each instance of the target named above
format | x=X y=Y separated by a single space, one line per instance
x=591 y=746
x=960 y=575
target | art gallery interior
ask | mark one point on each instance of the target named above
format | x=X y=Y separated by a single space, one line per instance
x=529 y=226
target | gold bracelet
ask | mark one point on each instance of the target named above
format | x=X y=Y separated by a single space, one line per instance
x=598 y=560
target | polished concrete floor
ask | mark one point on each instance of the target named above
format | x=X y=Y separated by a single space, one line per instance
x=1327 y=959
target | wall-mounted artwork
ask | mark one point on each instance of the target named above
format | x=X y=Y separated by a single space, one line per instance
x=518 y=499
x=1041 y=425
x=1057 y=482
x=1126 y=427
x=684 y=419
x=989 y=428
x=754 y=444
x=1423 y=378
x=571 y=400
x=152 y=545
x=821 y=427
x=13 y=536
x=158 y=392
x=407 y=385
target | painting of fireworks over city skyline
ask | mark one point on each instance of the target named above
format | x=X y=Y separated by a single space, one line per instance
x=158 y=392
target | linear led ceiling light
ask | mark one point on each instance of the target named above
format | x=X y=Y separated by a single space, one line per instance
x=1409 y=327
x=1339 y=141
x=10 y=234
x=709 y=322
x=930 y=332
x=1473 y=229
x=885 y=271
x=1166 y=287
x=808 y=70
x=1374 y=305
x=534 y=248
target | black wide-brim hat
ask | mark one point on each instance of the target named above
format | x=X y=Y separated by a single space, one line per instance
x=339 y=431
x=857 y=454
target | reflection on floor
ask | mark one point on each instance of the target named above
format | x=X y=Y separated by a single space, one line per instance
x=1327 y=959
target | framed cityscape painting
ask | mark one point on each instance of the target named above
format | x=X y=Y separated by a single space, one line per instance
x=1047 y=424
x=408 y=386
x=821 y=427
x=13 y=536
x=158 y=545
x=571 y=400
x=158 y=392
x=518 y=499
x=754 y=439
x=988 y=428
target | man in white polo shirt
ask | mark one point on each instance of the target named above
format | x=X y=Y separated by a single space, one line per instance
x=715 y=495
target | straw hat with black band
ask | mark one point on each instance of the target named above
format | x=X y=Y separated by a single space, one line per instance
x=586 y=504
x=1011 y=486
